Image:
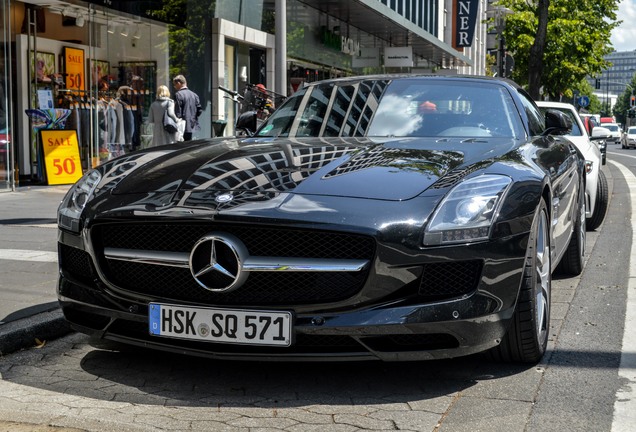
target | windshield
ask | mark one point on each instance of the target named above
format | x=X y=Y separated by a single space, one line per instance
x=611 y=127
x=631 y=130
x=396 y=108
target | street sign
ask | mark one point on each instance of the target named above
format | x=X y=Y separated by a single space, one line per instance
x=584 y=101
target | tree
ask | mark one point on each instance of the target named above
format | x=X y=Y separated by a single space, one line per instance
x=535 y=57
x=575 y=42
x=623 y=102
x=189 y=39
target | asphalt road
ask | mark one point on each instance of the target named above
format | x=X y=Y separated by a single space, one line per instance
x=584 y=383
x=28 y=251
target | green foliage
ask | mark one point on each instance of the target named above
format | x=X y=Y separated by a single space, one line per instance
x=190 y=26
x=623 y=103
x=578 y=37
x=491 y=65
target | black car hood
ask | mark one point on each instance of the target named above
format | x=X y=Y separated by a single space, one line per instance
x=361 y=168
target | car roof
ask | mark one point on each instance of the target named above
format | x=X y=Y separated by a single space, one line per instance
x=431 y=77
x=555 y=104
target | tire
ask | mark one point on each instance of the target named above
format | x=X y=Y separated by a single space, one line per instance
x=602 y=201
x=527 y=335
x=573 y=259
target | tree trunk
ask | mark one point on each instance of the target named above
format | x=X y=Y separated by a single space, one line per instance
x=535 y=61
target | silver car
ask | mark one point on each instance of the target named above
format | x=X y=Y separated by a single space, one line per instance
x=630 y=142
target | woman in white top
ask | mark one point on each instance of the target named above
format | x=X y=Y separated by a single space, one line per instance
x=155 y=116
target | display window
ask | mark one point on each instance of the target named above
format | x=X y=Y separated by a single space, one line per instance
x=6 y=179
x=96 y=70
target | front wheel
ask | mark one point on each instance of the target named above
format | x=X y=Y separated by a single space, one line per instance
x=527 y=336
x=574 y=257
x=602 y=199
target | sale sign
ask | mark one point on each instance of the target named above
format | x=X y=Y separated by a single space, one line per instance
x=74 y=68
x=61 y=156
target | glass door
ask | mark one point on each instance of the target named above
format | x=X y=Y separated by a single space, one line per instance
x=6 y=154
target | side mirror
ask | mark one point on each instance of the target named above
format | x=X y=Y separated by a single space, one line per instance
x=557 y=123
x=600 y=133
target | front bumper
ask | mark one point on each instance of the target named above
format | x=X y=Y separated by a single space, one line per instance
x=388 y=332
x=393 y=316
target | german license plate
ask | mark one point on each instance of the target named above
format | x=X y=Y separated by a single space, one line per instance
x=234 y=326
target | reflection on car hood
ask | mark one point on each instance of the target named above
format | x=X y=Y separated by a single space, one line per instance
x=362 y=168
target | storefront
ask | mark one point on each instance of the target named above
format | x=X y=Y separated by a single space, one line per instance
x=93 y=68
x=6 y=182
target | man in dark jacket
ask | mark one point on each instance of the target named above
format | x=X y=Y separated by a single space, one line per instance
x=187 y=106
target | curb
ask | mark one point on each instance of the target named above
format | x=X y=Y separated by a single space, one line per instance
x=22 y=333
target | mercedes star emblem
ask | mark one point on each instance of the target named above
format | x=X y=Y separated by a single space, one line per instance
x=216 y=262
x=223 y=198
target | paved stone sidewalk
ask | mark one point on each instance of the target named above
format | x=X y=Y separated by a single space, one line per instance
x=28 y=427
x=71 y=384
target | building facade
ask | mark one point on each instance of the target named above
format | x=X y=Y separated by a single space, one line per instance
x=93 y=67
x=615 y=80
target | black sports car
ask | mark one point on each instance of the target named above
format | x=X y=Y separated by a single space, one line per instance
x=374 y=217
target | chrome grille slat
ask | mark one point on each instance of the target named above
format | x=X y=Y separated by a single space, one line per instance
x=181 y=259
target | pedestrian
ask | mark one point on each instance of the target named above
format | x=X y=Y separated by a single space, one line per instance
x=188 y=106
x=162 y=104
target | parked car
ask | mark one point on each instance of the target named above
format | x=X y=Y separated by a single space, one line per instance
x=630 y=142
x=596 y=189
x=600 y=135
x=616 y=133
x=383 y=217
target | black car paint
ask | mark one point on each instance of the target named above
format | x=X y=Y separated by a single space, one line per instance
x=390 y=202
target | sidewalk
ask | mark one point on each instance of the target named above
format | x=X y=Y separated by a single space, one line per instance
x=29 y=313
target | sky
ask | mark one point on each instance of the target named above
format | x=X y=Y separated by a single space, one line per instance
x=624 y=37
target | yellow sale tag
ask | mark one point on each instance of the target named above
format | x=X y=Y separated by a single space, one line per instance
x=61 y=156
x=74 y=65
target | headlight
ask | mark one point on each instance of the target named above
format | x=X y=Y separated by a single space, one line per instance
x=73 y=204
x=467 y=212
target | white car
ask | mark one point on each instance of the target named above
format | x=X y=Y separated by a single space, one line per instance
x=630 y=142
x=616 y=133
x=600 y=134
x=596 y=191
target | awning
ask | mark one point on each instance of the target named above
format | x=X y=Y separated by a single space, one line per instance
x=377 y=19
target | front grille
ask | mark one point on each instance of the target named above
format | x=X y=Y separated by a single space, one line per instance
x=260 y=241
x=267 y=288
x=260 y=288
x=450 y=279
